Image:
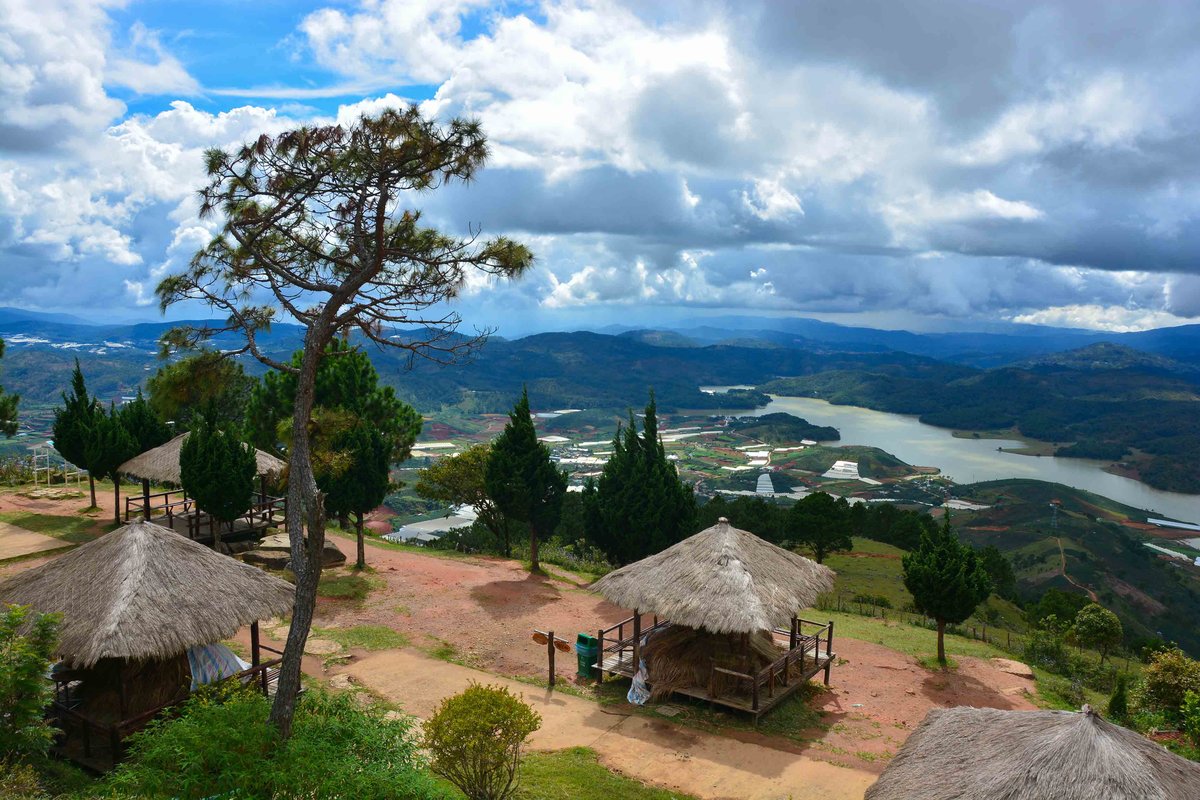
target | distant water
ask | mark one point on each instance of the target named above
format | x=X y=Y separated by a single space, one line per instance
x=970 y=460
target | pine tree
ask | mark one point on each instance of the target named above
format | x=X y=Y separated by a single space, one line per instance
x=946 y=578
x=71 y=423
x=820 y=522
x=8 y=407
x=147 y=430
x=639 y=506
x=217 y=470
x=363 y=482
x=523 y=481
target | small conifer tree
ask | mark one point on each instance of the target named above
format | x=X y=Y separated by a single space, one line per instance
x=217 y=469
x=522 y=480
x=946 y=578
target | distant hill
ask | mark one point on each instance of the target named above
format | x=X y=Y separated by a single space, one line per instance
x=781 y=427
x=1109 y=356
x=1042 y=526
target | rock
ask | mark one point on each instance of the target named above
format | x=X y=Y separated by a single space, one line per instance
x=342 y=681
x=321 y=647
x=275 y=552
x=1015 y=668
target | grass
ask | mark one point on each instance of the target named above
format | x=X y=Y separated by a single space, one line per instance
x=576 y=774
x=367 y=637
x=902 y=637
x=346 y=586
x=445 y=651
x=69 y=529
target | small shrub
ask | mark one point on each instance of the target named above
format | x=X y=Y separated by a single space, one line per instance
x=1189 y=717
x=20 y=782
x=876 y=600
x=339 y=748
x=1168 y=677
x=24 y=690
x=1118 y=704
x=475 y=740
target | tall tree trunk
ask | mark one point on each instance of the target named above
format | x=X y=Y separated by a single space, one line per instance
x=362 y=551
x=941 y=623
x=214 y=527
x=116 y=500
x=304 y=505
x=534 y=566
x=92 y=487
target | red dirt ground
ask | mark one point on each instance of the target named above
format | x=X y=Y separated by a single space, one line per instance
x=487 y=608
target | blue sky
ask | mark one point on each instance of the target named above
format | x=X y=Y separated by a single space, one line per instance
x=905 y=163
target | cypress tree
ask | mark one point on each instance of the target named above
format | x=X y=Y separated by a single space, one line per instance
x=217 y=470
x=147 y=430
x=8 y=407
x=946 y=578
x=364 y=481
x=523 y=481
x=639 y=506
x=107 y=445
x=71 y=424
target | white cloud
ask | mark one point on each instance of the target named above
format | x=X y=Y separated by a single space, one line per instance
x=1116 y=319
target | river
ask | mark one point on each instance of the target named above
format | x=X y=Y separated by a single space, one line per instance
x=970 y=460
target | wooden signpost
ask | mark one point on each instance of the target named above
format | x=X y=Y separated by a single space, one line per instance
x=552 y=643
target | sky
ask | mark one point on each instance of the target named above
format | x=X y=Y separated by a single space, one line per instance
x=929 y=165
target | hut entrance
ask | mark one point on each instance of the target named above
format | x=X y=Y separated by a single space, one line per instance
x=724 y=625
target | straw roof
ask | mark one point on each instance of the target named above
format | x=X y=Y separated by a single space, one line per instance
x=161 y=464
x=722 y=580
x=144 y=591
x=987 y=754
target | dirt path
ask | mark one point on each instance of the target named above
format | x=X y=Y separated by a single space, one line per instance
x=652 y=751
x=16 y=542
x=1062 y=555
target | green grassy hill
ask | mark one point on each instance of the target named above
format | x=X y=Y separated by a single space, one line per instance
x=1088 y=550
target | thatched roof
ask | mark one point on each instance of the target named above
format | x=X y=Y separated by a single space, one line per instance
x=144 y=591
x=161 y=464
x=722 y=580
x=986 y=754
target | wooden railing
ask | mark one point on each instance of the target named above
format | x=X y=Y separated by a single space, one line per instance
x=265 y=511
x=621 y=642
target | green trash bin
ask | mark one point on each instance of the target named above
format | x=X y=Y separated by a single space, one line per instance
x=587 y=651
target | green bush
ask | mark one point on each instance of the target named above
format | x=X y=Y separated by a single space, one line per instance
x=1168 y=677
x=1118 y=704
x=1189 y=716
x=24 y=690
x=339 y=748
x=475 y=740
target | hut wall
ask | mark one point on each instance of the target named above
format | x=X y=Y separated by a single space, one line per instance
x=147 y=685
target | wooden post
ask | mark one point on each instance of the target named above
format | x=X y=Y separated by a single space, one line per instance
x=600 y=656
x=262 y=488
x=550 y=654
x=828 y=652
x=254 y=653
x=146 y=498
x=792 y=636
x=637 y=639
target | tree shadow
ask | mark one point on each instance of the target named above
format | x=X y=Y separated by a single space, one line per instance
x=515 y=598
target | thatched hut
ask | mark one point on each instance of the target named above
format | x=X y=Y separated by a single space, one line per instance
x=725 y=604
x=160 y=465
x=988 y=754
x=133 y=603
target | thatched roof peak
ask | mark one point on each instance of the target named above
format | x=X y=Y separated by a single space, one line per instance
x=144 y=591
x=988 y=754
x=722 y=580
x=161 y=464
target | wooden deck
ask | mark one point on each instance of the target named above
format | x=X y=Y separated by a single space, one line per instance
x=175 y=510
x=803 y=654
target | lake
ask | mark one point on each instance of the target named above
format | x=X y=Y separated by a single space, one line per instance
x=970 y=460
